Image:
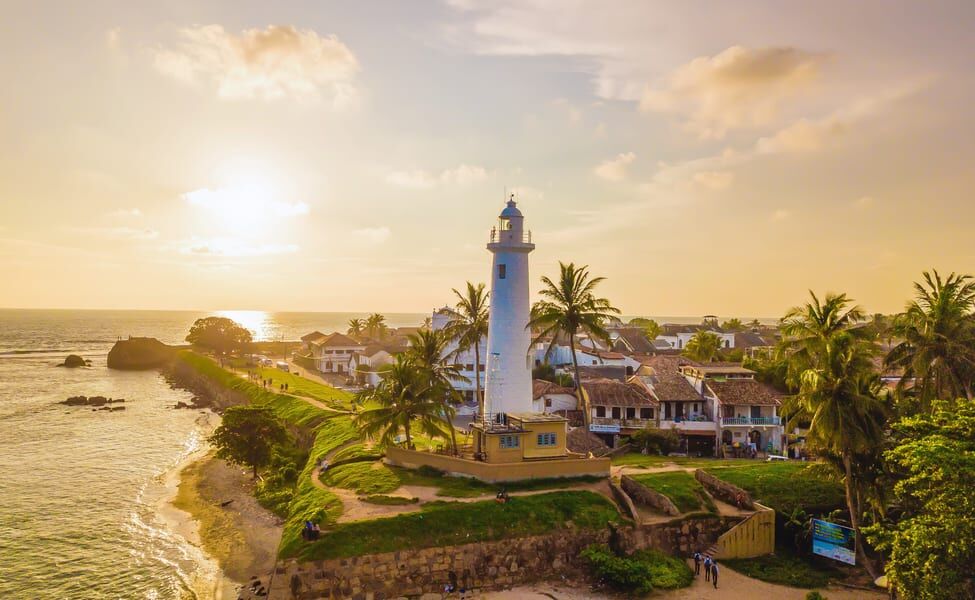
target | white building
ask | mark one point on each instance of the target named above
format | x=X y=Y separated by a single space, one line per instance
x=678 y=335
x=508 y=380
x=548 y=397
x=332 y=352
x=465 y=359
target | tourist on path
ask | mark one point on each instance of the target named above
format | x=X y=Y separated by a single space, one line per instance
x=714 y=573
x=697 y=564
x=707 y=568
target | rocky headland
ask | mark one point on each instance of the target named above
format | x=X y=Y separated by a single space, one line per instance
x=140 y=354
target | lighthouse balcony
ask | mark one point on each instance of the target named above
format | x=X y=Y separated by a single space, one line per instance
x=502 y=236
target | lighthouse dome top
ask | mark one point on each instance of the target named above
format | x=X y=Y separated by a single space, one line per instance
x=511 y=209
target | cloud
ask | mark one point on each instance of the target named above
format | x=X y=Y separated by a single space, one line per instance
x=230 y=201
x=123 y=213
x=572 y=112
x=780 y=215
x=739 y=87
x=419 y=179
x=233 y=247
x=715 y=180
x=615 y=169
x=280 y=61
x=118 y=233
x=525 y=192
x=373 y=235
x=804 y=135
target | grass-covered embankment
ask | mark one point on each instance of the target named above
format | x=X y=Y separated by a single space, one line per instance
x=640 y=573
x=681 y=487
x=452 y=523
x=785 y=486
x=311 y=388
x=786 y=570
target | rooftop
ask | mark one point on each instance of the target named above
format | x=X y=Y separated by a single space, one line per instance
x=610 y=392
x=745 y=392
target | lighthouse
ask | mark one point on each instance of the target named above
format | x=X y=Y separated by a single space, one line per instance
x=508 y=380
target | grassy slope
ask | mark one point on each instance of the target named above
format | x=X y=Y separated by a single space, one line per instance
x=304 y=386
x=684 y=491
x=784 y=486
x=785 y=570
x=635 y=459
x=445 y=524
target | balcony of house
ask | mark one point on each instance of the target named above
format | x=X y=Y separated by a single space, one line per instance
x=699 y=423
x=613 y=419
x=751 y=421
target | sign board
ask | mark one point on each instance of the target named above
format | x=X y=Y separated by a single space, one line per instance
x=834 y=541
x=597 y=428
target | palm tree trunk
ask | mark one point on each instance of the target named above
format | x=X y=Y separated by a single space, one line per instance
x=477 y=381
x=855 y=515
x=409 y=438
x=579 y=395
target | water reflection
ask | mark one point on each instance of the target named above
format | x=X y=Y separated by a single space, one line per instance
x=257 y=321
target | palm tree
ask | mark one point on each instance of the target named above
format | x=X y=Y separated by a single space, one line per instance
x=733 y=324
x=937 y=330
x=569 y=308
x=704 y=346
x=755 y=324
x=356 y=327
x=429 y=356
x=468 y=326
x=831 y=364
x=400 y=402
x=376 y=326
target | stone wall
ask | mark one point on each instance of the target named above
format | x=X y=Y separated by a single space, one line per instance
x=483 y=565
x=208 y=393
x=724 y=491
x=647 y=497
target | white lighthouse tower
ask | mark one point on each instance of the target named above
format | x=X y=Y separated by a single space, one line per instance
x=508 y=380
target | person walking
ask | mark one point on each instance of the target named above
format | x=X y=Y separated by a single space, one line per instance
x=714 y=573
x=697 y=564
x=707 y=567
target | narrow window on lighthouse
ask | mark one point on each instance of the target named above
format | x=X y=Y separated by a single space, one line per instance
x=501 y=271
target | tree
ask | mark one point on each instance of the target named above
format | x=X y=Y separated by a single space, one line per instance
x=650 y=328
x=937 y=333
x=931 y=546
x=468 y=326
x=568 y=308
x=754 y=324
x=733 y=324
x=248 y=435
x=429 y=356
x=399 y=402
x=376 y=326
x=546 y=372
x=356 y=327
x=703 y=346
x=831 y=366
x=219 y=334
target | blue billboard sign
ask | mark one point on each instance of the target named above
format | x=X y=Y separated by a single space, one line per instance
x=834 y=541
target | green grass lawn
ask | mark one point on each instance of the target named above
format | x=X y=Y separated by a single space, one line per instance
x=784 y=486
x=304 y=386
x=684 y=491
x=785 y=570
x=354 y=451
x=635 y=459
x=452 y=523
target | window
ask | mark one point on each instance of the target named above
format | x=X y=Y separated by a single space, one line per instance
x=548 y=403
x=600 y=411
x=646 y=413
x=630 y=412
x=546 y=439
x=616 y=412
x=509 y=441
x=502 y=271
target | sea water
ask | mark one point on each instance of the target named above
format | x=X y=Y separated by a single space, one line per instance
x=82 y=491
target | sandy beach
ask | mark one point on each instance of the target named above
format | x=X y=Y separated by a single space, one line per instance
x=214 y=508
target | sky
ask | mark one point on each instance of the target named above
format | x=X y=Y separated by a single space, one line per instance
x=703 y=157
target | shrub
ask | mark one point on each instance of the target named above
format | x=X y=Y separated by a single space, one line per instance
x=815 y=596
x=655 y=441
x=640 y=573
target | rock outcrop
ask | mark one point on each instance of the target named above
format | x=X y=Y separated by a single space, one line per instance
x=139 y=354
x=93 y=401
x=74 y=361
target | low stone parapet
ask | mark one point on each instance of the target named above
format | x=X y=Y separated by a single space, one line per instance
x=648 y=497
x=724 y=491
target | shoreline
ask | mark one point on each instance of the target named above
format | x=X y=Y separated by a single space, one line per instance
x=211 y=505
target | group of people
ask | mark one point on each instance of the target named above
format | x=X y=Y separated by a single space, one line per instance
x=502 y=496
x=311 y=531
x=710 y=567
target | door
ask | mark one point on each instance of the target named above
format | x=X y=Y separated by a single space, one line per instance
x=756 y=412
x=755 y=437
x=680 y=410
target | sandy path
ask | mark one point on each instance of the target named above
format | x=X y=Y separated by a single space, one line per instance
x=731 y=586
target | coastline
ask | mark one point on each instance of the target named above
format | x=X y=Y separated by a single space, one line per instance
x=211 y=505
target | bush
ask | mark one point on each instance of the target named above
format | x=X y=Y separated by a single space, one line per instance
x=641 y=573
x=655 y=441
x=815 y=596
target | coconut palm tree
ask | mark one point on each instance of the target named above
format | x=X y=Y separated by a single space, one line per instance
x=429 y=355
x=733 y=324
x=376 y=326
x=400 y=402
x=703 y=346
x=356 y=327
x=468 y=326
x=831 y=364
x=568 y=308
x=937 y=333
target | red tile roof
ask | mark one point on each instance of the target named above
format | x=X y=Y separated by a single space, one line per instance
x=540 y=388
x=609 y=392
x=745 y=392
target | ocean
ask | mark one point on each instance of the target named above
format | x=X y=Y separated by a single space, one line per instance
x=82 y=492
